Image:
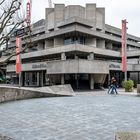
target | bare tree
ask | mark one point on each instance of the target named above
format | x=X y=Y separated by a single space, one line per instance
x=11 y=18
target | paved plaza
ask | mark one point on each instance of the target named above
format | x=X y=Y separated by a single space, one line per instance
x=86 y=116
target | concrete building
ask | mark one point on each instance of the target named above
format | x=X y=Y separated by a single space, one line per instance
x=73 y=45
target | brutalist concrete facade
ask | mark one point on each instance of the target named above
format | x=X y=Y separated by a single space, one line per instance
x=73 y=45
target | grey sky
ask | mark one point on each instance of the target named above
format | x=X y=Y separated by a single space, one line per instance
x=116 y=10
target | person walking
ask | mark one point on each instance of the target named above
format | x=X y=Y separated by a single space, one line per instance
x=109 y=87
x=114 y=85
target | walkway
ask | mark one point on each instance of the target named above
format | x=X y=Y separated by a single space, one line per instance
x=82 y=117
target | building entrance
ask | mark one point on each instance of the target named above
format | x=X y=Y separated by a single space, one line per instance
x=34 y=79
x=78 y=81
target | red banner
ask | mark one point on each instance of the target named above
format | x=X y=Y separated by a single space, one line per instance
x=18 y=68
x=28 y=13
x=123 y=46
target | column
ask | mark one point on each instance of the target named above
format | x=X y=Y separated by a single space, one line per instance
x=21 y=78
x=62 y=79
x=49 y=43
x=40 y=46
x=91 y=81
x=41 y=79
x=91 y=56
x=91 y=42
x=101 y=43
x=77 y=81
x=109 y=45
x=63 y=56
x=37 y=78
x=58 y=41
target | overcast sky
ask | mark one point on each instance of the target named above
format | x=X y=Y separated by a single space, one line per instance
x=116 y=10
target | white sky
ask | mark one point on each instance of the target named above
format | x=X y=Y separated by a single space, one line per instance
x=116 y=10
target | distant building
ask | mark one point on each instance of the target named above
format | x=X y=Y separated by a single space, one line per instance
x=73 y=45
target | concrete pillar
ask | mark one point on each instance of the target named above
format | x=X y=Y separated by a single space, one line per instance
x=91 y=81
x=62 y=79
x=91 y=56
x=30 y=79
x=109 y=45
x=77 y=81
x=75 y=57
x=25 y=82
x=40 y=46
x=49 y=43
x=91 y=42
x=58 y=41
x=38 y=79
x=63 y=56
x=41 y=79
x=101 y=43
x=21 y=78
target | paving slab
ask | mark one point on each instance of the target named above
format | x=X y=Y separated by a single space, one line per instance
x=88 y=117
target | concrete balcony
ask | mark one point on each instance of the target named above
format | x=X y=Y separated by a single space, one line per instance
x=78 y=66
x=136 y=67
x=66 y=66
x=70 y=48
x=133 y=53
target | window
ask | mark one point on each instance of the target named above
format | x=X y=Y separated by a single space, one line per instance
x=74 y=40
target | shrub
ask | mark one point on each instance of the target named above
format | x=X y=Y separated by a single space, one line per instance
x=128 y=85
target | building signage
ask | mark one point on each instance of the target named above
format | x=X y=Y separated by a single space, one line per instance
x=114 y=66
x=123 y=45
x=39 y=66
x=18 y=68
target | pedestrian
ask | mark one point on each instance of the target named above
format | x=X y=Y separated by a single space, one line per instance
x=113 y=86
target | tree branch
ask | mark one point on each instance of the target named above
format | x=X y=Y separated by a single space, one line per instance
x=2 y=2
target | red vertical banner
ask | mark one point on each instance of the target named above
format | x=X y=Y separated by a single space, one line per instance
x=18 y=68
x=123 y=46
x=28 y=13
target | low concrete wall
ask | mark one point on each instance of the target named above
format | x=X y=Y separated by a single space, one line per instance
x=11 y=94
x=127 y=136
x=8 y=93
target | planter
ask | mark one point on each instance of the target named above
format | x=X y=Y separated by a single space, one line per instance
x=129 y=90
x=128 y=85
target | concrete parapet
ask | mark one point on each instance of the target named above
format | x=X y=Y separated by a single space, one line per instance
x=127 y=136
x=63 y=90
x=8 y=93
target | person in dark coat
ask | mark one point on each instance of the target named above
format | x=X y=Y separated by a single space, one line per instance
x=113 y=86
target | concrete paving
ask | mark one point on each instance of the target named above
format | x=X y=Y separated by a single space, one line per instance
x=86 y=116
